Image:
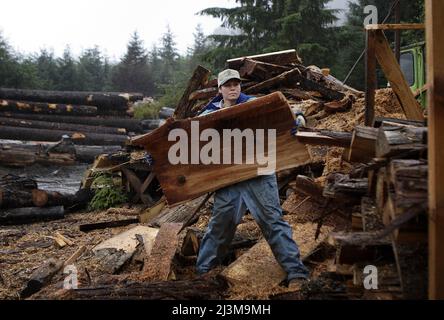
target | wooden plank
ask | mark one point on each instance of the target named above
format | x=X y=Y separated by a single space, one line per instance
x=324 y=138
x=158 y=264
x=370 y=78
x=363 y=144
x=435 y=72
x=396 y=26
x=260 y=70
x=280 y=58
x=184 y=181
x=394 y=75
x=199 y=78
x=258 y=268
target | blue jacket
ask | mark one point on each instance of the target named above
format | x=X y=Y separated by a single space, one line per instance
x=216 y=104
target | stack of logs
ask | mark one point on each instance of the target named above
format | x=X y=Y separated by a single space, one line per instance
x=21 y=201
x=32 y=121
x=384 y=196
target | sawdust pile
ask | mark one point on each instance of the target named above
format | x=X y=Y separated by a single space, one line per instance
x=386 y=105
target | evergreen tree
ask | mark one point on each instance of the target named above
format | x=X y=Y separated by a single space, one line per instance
x=168 y=56
x=91 y=70
x=68 y=78
x=132 y=73
x=47 y=71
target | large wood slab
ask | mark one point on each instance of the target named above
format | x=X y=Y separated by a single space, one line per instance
x=182 y=182
x=258 y=268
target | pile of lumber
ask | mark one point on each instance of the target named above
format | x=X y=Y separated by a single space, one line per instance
x=40 y=118
x=267 y=73
x=384 y=197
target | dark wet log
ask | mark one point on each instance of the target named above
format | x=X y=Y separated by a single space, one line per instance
x=150 y=124
x=41 y=277
x=107 y=224
x=18 y=154
x=46 y=108
x=165 y=112
x=341 y=185
x=101 y=99
x=85 y=138
x=281 y=58
x=131 y=125
x=198 y=289
x=31 y=214
x=184 y=107
x=37 y=124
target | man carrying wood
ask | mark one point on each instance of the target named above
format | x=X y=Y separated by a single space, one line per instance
x=260 y=195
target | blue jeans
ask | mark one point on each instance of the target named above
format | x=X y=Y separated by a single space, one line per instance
x=261 y=196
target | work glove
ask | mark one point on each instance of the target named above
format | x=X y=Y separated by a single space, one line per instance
x=148 y=159
x=300 y=122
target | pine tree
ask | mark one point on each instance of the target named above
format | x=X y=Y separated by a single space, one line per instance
x=169 y=56
x=132 y=73
x=68 y=78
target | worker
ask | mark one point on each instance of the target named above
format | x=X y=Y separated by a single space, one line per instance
x=260 y=195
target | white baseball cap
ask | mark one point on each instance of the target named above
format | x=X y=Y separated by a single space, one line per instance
x=227 y=75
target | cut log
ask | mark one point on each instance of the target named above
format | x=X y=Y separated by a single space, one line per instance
x=258 y=268
x=324 y=138
x=41 y=277
x=31 y=214
x=165 y=112
x=85 y=138
x=108 y=224
x=410 y=181
x=310 y=188
x=46 y=108
x=115 y=252
x=281 y=58
x=363 y=144
x=131 y=125
x=182 y=213
x=151 y=124
x=184 y=181
x=58 y=126
x=158 y=263
x=283 y=79
x=197 y=289
x=394 y=141
x=260 y=71
x=184 y=107
x=24 y=153
x=101 y=99
x=341 y=186
x=361 y=247
x=338 y=106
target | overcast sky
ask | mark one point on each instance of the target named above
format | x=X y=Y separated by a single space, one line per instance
x=30 y=25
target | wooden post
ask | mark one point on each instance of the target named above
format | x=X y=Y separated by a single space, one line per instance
x=398 y=32
x=370 y=78
x=435 y=71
